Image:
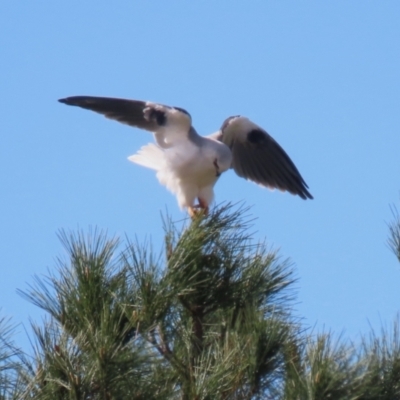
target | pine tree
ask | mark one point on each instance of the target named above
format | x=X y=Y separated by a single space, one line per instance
x=211 y=317
x=394 y=233
x=10 y=371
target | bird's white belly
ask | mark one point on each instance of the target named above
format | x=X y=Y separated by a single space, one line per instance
x=187 y=169
x=190 y=173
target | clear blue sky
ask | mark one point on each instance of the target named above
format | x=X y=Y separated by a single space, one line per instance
x=323 y=78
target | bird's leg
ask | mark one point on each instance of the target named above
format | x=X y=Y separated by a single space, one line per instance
x=192 y=212
x=203 y=205
x=198 y=209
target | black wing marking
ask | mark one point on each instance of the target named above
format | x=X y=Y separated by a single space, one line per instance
x=259 y=158
x=141 y=114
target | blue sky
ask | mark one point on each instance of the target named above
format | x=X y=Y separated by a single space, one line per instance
x=323 y=78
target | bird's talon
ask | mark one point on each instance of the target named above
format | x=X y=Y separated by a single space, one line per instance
x=197 y=210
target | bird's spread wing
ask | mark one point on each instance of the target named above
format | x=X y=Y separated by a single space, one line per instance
x=168 y=123
x=259 y=158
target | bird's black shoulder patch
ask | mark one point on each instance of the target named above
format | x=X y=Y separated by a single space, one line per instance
x=256 y=136
x=158 y=116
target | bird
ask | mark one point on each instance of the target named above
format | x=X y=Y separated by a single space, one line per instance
x=189 y=164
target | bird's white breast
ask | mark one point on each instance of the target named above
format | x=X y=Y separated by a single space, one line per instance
x=187 y=168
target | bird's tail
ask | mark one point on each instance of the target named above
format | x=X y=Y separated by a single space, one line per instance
x=149 y=156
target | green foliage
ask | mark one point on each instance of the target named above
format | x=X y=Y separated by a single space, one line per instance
x=329 y=369
x=336 y=370
x=381 y=365
x=210 y=318
x=88 y=349
x=394 y=233
x=11 y=384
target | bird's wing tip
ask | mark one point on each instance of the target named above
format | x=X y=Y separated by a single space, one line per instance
x=307 y=195
x=73 y=100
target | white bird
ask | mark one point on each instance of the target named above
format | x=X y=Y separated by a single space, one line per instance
x=188 y=164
